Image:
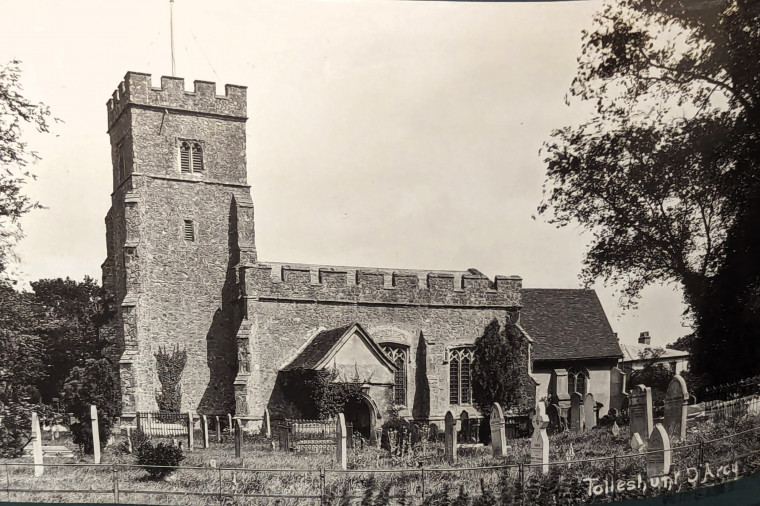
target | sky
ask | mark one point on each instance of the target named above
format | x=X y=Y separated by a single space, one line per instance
x=381 y=133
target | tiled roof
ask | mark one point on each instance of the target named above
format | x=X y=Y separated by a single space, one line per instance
x=632 y=352
x=567 y=324
x=317 y=348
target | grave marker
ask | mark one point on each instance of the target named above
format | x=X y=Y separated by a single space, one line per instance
x=95 y=433
x=659 y=454
x=190 y=430
x=589 y=412
x=341 y=453
x=450 y=438
x=555 y=420
x=615 y=429
x=539 y=443
x=129 y=440
x=239 y=439
x=218 y=430
x=617 y=387
x=576 y=418
x=230 y=426
x=464 y=427
x=676 y=408
x=498 y=437
x=637 y=444
x=39 y=467
x=640 y=410
x=267 y=426
x=204 y=427
x=570 y=455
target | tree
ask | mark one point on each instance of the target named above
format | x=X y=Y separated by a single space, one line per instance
x=500 y=369
x=666 y=172
x=15 y=112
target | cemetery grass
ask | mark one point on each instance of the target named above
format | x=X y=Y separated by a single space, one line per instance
x=302 y=478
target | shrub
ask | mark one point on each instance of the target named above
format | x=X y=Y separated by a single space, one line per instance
x=138 y=439
x=15 y=431
x=162 y=454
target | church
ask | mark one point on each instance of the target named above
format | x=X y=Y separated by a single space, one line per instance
x=183 y=272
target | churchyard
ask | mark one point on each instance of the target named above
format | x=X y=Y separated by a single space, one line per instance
x=590 y=460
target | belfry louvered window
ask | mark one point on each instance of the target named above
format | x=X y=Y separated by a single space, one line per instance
x=460 y=376
x=398 y=355
x=189 y=231
x=190 y=157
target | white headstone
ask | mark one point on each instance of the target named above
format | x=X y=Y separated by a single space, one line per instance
x=340 y=442
x=190 y=430
x=589 y=412
x=95 y=433
x=658 y=454
x=637 y=444
x=615 y=429
x=640 y=410
x=498 y=437
x=676 y=408
x=204 y=421
x=450 y=438
x=267 y=427
x=539 y=443
x=39 y=467
x=570 y=454
x=576 y=412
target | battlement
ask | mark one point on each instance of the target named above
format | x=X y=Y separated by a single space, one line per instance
x=136 y=89
x=364 y=285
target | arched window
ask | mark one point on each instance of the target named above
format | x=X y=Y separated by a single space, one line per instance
x=577 y=380
x=460 y=375
x=398 y=355
x=190 y=157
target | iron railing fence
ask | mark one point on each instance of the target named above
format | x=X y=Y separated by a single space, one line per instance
x=597 y=479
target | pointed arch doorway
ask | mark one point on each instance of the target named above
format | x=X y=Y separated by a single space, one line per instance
x=363 y=414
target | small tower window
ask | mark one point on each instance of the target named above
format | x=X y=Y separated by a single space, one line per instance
x=190 y=157
x=189 y=231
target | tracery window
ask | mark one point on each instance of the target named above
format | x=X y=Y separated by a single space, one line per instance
x=577 y=380
x=190 y=157
x=460 y=375
x=398 y=355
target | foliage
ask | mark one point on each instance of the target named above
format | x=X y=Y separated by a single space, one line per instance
x=500 y=369
x=319 y=394
x=655 y=375
x=665 y=175
x=138 y=439
x=162 y=454
x=93 y=384
x=169 y=368
x=15 y=429
x=15 y=112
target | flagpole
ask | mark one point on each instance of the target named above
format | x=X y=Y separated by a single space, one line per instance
x=171 y=31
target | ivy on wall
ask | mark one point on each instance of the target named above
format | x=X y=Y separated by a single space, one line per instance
x=169 y=367
x=317 y=394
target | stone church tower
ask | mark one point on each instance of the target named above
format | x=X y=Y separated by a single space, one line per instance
x=180 y=223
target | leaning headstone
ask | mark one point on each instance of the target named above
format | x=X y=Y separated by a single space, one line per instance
x=676 y=408
x=555 y=421
x=658 y=454
x=498 y=437
x=589 y=412
x=267 y=426
x=204 y=426
x=576 y=417
x=341 y=452
x=539 y=443
x=190 y=430
x=640 y=410
x=615 y=429
x=39 y=467
x=95 y=433
x=637 y=444
x=450 y=438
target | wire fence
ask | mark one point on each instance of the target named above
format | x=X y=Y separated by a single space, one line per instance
x=598 y=479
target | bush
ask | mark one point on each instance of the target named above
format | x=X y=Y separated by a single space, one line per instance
x=138 y=439
x=162 y=454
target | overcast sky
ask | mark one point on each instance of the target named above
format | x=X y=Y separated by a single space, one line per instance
x=381 y=133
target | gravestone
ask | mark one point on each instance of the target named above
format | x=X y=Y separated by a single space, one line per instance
x=129 y=440
x=637 y=444
x=341 y=452
x=450 y=438
x=570 y=455
x=659 y=454
x=230 y=426
x=190 y=430
x=204 y=427
x=267 y=427
x=692 y=399
x=617 y=388
x=640 y=410
x=676 y=408
x=498 y=437
x=555 y=420
x=576 y=417
x=95 y=433
x=589 y=412
x=218 y=430
x=615 y=429
x=39 y=468
x=539 y=442
x=239 y=439
x=464 y=427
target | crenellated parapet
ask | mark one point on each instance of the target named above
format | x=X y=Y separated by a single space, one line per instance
x=136 y=89
x=381 y=286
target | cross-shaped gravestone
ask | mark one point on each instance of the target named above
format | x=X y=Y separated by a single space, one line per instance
x=539 y=443
x=640 y=410
x=450 y=438
x=589 y=412
x=658 y=454
x=498 y=437
x=676 y=408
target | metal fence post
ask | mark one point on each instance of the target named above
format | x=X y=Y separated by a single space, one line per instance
x=322 y=485
x=115 y=473
x=422 y=470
